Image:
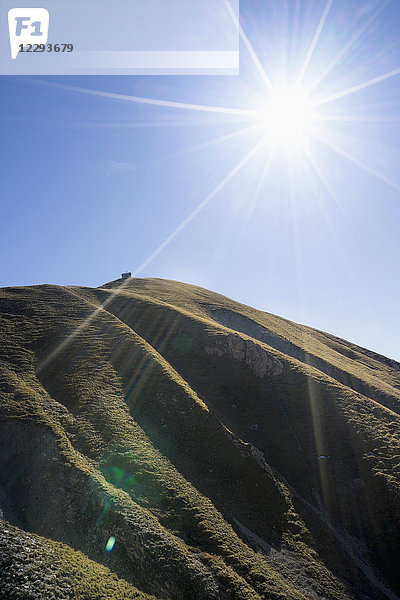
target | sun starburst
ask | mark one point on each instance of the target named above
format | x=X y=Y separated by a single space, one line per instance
x=289 y=116
x=294 y=109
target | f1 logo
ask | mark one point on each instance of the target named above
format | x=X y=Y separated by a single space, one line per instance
x=27 y=26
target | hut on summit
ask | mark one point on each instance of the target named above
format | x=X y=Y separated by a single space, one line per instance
x=126 y=275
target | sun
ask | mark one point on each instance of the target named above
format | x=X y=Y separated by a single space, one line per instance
x=288 y=116
x=290 y=107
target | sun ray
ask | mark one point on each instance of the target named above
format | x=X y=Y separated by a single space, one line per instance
x=313 y=396
x=217 y=140
x=283 y=115
x=155 y=253
x=349 y=45
x=356 y=119
x=325 y=183
x=203 y=145
x=267 y=167
x=294 y=223
x=311 y=169
x=85 y=323
x=261 y=181
x=357 y=88
x=320 y=441
x=199 y=208
x=130 y=124
x=357 y=162
x=346 y=264
x=153 y=101
x=314 y=42
x=249 y=47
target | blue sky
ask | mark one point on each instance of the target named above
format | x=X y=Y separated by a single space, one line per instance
x=93 y=186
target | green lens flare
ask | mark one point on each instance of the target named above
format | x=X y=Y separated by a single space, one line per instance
x=110 y=544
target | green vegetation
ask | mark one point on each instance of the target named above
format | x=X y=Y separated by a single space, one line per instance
x=35 y=567
x=230 y=453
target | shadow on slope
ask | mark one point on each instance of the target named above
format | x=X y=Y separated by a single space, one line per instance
x=313 y=431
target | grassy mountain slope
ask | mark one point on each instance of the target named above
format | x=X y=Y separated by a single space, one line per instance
x=231 y=453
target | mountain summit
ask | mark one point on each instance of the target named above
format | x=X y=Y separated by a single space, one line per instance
x=160 y=440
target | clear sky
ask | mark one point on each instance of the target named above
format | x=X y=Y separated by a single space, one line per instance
x=292 y=208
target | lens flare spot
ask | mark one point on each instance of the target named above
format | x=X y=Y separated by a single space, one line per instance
x=110 y=544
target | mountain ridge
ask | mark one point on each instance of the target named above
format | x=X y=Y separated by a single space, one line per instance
x=229 y=468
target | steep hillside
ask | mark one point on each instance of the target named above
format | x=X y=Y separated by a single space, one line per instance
x=231 y=453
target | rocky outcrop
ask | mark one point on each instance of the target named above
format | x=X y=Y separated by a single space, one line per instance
x=249 y=327
x=222 y=466
x=261 y=362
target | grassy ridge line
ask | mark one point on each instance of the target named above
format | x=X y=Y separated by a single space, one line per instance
x=36 y=408
x=92 y=332
x=353 y=405
x=376 y=438
x=320 y=344
x=214 y=326
x=197 y=525
x=210 y=532
x=146 y=347
x=269 y=582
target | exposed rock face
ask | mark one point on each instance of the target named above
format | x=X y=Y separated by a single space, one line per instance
x=259 y=360
x=228 y=461
x=249 y=327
